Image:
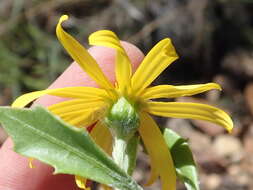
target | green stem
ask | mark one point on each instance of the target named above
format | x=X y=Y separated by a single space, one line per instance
x=124 y=153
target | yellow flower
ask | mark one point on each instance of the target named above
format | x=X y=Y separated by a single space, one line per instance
x=90 y=105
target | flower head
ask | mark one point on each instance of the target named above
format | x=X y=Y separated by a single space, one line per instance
x=88 y=105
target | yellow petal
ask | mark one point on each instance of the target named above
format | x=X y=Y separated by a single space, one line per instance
x=75 y=113
x=191 y=111
x=106 y=187
x=79 y=112
x=102 y=136
x=123 y=73
x=154 y=174
x=30 y=160
x=106 y=38
x=123 y=67
x=81 y=182
x=75 y=105
x=86 y=118
x=81 y=56
x=158 y=151
x=170 y=91
x=158 y=59
x=68 y=92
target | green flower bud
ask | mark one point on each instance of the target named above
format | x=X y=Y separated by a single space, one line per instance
x=123 y=119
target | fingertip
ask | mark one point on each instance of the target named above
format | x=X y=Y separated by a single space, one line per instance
x=105 y=57
x=75 y=76
x=134 y=53
x=14 y=168
x=17 y=175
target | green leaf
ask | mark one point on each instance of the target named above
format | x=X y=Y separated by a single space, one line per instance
x=38 y=134
x=182 y=156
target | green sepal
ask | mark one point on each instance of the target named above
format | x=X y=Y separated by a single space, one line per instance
x=123 y=119
x=39 y=134
x=183 y=159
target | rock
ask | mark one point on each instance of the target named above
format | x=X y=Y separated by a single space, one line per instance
x=181 y=126
x=243 y=179
x=234 y=170
x=240 y=176
x=209 y=128
x=200 y=143
x=213 y=181
x=228 y=147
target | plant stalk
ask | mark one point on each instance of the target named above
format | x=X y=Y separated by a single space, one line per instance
x=124 y=153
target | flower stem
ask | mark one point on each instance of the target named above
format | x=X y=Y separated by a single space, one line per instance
x=124 y=153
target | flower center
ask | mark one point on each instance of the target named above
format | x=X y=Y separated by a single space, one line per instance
x=123 y=119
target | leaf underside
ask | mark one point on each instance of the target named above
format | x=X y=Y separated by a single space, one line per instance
x=39 y=134
x=183 y=159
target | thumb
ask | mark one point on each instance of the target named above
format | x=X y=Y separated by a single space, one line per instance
x=15 y=173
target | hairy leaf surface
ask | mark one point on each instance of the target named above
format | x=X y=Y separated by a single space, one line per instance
x=39 y=134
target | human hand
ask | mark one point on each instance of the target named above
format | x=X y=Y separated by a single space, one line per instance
x=15 y=173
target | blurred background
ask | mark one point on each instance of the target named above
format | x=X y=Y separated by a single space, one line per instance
x=214 y=39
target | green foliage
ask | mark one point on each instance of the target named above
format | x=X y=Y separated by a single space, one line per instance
x=183 y=159
x=38 y=134
x=30 y=57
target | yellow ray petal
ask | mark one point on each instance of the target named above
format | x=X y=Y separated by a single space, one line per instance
x=30 y=160
x=75 y=105
x=81 y=182
x=81 y=56
x=102 y=136
x=158 y=151
x=123 y=73
x=123 y=67
x=191 y=111
x=159 y=58
x=86 y=118
x=79 y=112
x=106 y=38
x=74 y=113
x=154 y=173
x=73 y=102
x=68 y=92
x=170 y=91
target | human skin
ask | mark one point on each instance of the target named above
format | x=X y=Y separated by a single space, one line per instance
x=15 y=173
